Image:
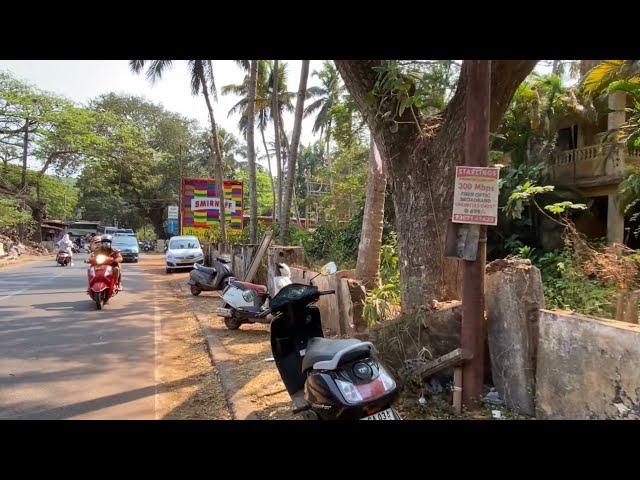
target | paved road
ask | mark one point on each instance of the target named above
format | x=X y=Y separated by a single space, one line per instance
x=60 y=358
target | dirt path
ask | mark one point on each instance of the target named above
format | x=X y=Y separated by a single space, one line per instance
x=188 y=386
x=246 y=372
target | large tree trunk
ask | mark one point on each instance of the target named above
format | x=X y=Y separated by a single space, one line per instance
x=276 y=130
x=273 y=188
x=420 y=169
x=293 y=153
x=251 y=154
x=368 y=263
x=217 y=162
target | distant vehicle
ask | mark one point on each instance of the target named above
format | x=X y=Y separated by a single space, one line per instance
x=107 y=230
x=128 y=247
x=124 y=231
x=183 y=252
x=83 y=228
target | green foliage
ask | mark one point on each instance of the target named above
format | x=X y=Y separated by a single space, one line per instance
x=11 y=215
x=377 y=306
x=335 y=241
x=567 y=287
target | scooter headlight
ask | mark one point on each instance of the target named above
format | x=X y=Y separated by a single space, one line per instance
x=100 y=259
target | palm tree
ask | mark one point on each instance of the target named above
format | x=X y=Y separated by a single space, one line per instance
x=202 y=79
x=251 y=104
x=326 y=96
x=264 y=108
x=597 y=79
x=293 y=153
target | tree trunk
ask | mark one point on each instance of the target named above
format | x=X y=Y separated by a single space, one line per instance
x=25 y=151
x=421 y=170
x=586 y=65
x=293 y=152
x=273 y=188
x=276 y=130
x=217 y=162
x=251 y=154
x=368 y=263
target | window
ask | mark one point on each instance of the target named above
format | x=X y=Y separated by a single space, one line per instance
x=183 y=243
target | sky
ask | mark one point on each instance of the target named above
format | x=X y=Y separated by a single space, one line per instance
x=82 y=80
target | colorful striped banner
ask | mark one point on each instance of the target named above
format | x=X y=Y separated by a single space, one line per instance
x=198 y=222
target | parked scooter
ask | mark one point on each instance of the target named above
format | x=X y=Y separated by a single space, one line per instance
x=326 y=379
x=207 y=279
x=245 y=302
x=102 y=282
x=63 y=258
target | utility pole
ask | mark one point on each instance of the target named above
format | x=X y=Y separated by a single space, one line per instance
x=476 y=152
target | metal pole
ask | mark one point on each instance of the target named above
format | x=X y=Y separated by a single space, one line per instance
x=476 y=151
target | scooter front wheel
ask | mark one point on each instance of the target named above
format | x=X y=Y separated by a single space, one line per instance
x=195 y=291
x=232 y=323
x=97 y=297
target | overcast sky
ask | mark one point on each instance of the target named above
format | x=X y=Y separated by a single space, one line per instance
x=82 y=80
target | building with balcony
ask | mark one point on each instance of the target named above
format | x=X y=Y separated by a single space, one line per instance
x=595 y=169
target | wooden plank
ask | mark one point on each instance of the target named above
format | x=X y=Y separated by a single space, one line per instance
x=457 y=390
x=449 y=360
x=255 y=262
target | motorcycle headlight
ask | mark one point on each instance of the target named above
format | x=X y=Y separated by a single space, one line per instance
x=100 y=259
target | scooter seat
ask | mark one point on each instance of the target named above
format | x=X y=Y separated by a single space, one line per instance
x=260 y=289
x=207 y=270
x=223 y=260
x=328 y=354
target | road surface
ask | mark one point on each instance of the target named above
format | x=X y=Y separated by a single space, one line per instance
x=60 y=358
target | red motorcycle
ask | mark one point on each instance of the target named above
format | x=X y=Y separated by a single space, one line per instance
x=63 y=258
x=102 y=281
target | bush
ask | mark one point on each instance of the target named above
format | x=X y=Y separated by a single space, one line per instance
x=335 y=241
x=567 y=287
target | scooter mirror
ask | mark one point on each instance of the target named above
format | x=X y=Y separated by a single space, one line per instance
x=329 y=269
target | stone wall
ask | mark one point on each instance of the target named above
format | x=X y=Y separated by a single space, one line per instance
x=587 y=368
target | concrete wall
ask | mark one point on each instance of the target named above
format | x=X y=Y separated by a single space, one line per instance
x=587 y=368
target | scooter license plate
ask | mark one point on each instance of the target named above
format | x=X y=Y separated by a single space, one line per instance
x=223 y=312
x=387 y=414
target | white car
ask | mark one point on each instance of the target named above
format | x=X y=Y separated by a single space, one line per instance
x=183 y=252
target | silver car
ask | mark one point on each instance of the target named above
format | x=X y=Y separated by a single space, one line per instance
x=183 y=252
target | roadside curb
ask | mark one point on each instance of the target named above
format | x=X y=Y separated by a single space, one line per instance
x=239 y=403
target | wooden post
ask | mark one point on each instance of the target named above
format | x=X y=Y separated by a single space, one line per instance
x=476 y=152
x=627 y=306
x=457 y=390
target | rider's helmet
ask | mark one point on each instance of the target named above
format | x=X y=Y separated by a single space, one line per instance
x=105 y=241
x=284 y=270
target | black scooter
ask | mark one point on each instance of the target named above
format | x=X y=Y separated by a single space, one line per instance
x=326 y=379
x=210 y=278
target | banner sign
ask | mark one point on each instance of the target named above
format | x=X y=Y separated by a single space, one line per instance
x=475 y=199
x=172 y=212
x=200 y=205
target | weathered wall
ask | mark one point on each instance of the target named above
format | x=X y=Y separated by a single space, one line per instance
x=513 y=293
x=587 y=368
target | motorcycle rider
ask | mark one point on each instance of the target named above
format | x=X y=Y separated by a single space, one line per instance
x=65 y=245
x=102 y=246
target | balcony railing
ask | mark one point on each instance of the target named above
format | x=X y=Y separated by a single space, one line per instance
x=605 y=161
